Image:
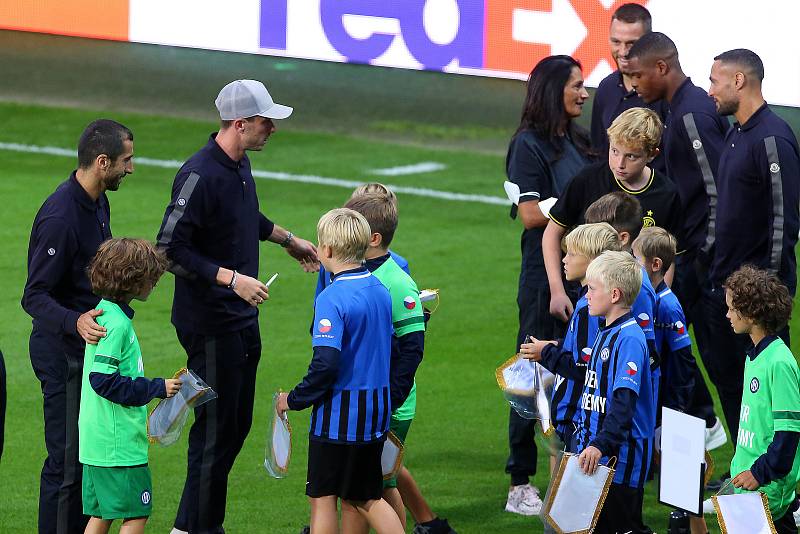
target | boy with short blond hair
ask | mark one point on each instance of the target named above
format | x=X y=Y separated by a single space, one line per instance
x=347 y=381
x=616 y=407
x=634 y=137
x=766 y=457
x=112 y=422
x=583 y=245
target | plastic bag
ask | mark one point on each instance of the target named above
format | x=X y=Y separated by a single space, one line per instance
x=528 y=388
x=166 y=421
x=574 y=500
x=279 y=443
x=392 y=456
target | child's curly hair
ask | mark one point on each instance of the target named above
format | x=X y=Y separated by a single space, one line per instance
x=122 y=268
x=760 y=296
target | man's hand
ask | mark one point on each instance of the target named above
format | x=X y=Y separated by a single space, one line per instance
x=533 y=350
x=283 y=404
x=251 y=290
x=304 y=252
x=173 y=386
x=745 y=480
x=560 y=306
x=589 y=459
x=89 y=330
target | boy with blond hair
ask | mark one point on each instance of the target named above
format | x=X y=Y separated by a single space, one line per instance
x=347 y=382
x=583 y=245
x=634 y=137
x=112 y=423
x=617 y=408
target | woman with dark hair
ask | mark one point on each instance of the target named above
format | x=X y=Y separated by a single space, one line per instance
x=546 y=151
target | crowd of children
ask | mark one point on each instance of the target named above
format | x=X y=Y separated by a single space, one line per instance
x=626 y=352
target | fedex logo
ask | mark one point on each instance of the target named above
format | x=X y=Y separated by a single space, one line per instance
x=457 y=35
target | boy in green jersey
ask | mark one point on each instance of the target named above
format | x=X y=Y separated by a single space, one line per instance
x=380 y=210
x=112 y=423
x=766 y=457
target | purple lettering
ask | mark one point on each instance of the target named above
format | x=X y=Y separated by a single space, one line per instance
x=273 y=24
x=356 y=50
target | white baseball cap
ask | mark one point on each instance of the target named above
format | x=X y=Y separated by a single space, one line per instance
x=247 y=98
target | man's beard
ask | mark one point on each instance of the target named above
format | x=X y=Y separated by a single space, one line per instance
x=728 y=108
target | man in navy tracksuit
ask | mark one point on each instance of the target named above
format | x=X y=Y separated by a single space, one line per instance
x=66 y=233
x=211 y=230
x=615 y=93
x=758 y=188
x=694 y=137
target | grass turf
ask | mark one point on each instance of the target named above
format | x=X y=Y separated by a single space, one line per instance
x=458 y=443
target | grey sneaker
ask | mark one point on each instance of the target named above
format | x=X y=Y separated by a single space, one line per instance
x=524 y=500
x=715 y=436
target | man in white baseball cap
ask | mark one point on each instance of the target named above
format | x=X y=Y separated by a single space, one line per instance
x=211 y=232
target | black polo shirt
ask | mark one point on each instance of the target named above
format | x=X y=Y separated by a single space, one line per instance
x=66 y=233
x=758 y=188
x=534 y=164
x=610 y=99
x=694 y=135
x=661 y=205
x=212 y=221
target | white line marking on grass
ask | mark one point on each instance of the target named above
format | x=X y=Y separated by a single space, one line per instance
x=274 y=175
x=417 y=168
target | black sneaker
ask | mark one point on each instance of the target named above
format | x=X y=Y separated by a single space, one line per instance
x=305 y=530
x=435 y=526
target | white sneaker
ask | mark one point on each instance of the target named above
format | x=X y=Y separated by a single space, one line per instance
x=708 y=507
x=715 y=436
x=176 y=531
x=796 y=515
x=524 y=500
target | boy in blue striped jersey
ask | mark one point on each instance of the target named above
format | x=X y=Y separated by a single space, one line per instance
x=347 y=381
x=617 y=407
x=583 y=245
x=654 y=249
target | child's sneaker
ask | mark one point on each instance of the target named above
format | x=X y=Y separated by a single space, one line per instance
x=715 y=436
x=436 y=526
x=524 y=500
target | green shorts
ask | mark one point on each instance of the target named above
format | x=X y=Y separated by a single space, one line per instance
x=117 y=492
x=400 y=429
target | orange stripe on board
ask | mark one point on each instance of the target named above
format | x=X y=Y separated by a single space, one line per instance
x=100 y=19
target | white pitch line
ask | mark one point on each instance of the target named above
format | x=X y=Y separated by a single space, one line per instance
x=275 y=175
x=416 y=168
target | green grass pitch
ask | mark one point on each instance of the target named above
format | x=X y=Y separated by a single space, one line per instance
x=457 y=445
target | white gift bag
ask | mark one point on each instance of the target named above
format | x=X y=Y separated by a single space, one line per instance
x=279 y=443
x=574 y=499
x=743 y=513
x=392 y=456
x=166 y=421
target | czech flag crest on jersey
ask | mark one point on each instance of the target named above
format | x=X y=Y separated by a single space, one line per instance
x=632 y=369
x=324 y=326
x=680 y=327
x=643 y=319
x=586 y=354
x=409 y=302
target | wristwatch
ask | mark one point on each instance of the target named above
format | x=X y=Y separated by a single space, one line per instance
x=287 y=240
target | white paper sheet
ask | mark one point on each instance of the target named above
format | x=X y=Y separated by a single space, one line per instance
x=682 y=457
x=578 y=496
x=743 y=513
x=392 y=456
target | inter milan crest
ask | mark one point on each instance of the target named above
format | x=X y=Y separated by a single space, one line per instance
x=605 y=354
x=754 y=385
x=648 y=220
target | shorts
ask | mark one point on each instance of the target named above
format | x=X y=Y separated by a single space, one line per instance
x=400 y=428
x=117 y=492
x=350 y=471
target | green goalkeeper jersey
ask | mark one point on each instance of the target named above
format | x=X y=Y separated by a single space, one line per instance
x=407 y=317
x=110 y=434
x=770 y=403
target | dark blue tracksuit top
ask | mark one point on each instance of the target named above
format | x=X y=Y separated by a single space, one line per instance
x=212 y=221
x=66 y=233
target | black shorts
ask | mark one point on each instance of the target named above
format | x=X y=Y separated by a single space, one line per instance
x=349 y=471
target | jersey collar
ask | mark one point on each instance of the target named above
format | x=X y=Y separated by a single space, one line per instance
x=374 y=263
x=759 y=348
x=628 y=316
x=755 y=118
x=350 y=273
